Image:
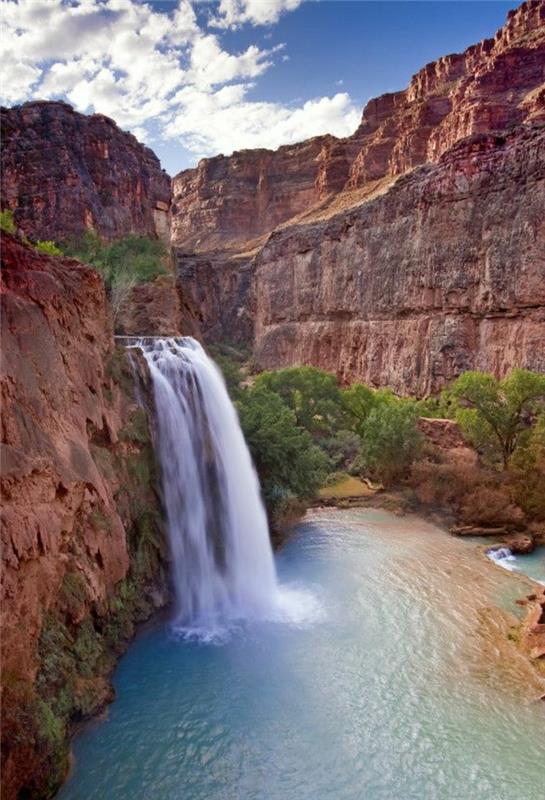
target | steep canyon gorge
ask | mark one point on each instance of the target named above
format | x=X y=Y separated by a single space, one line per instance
x=402 y=255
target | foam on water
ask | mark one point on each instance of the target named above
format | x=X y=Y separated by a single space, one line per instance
x=503 y=557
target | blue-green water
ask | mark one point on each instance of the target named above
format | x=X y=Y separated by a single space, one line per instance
x=386 y=685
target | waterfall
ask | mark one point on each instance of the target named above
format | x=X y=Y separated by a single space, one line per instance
x=223 y=567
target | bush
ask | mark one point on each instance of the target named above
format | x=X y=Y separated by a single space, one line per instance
x=48 y=247
x=123 y=263
x=133 y=257
x=490 y=505
x=7 y=223
x=443 y=483
x=343 y=449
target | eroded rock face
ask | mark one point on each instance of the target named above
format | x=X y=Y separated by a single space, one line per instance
x=159 y=308
x=64 y=173
x=402 y=255
x=443 y=273
x=234 y=200
x=492 y=86
x=82 y=544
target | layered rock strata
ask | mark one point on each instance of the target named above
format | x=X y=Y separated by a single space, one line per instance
x=443 y=273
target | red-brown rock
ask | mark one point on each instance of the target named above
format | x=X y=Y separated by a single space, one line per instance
x=73 y=495
x=64 y=173
x=444 y=272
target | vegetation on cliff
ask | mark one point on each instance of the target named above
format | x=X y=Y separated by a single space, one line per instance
x=7 y=225
x=123 y=263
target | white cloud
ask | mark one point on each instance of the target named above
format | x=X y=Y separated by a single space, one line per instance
x=160 y=70
x=210 y=65
x=225 y=121
x=235 y=13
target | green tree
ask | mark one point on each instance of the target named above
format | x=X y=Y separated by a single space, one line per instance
x=358 y=400
x=528 y=464
x=312 y=394
x=497 y=414
x=390 y=440
x=286 y=459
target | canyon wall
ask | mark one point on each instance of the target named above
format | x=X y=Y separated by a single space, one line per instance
x=64 y=173
x=401 y=255
x=444 y=272
x=83 y=553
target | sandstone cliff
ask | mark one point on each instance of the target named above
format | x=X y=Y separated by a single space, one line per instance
x=444 y=272
x=82 y=543
x=64 y=172
x=401 y=255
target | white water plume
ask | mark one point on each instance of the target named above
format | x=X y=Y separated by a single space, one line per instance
x=223 y=565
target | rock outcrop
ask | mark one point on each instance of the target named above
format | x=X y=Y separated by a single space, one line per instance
x=402 y=255
x=82 y=544
x=64 y=173
x=159 y=308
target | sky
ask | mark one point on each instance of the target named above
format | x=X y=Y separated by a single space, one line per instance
x=194 y=79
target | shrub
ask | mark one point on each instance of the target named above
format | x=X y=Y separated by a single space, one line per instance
x=7 y=223
x=48 y=247
x=444 y=482
x=343 y=449
x=132 y=257
x=490 y=505
x=123 y=263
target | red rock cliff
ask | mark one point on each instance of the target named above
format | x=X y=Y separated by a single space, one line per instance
x=403 y=254
x=64 y=172
x=442 y=273
x=81 y=532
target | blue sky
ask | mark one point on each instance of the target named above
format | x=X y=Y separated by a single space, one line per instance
x=194 y=79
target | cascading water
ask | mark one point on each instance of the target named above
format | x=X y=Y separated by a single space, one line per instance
x=223 y=565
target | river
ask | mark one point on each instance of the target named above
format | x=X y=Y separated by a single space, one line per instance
x=393 y=679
